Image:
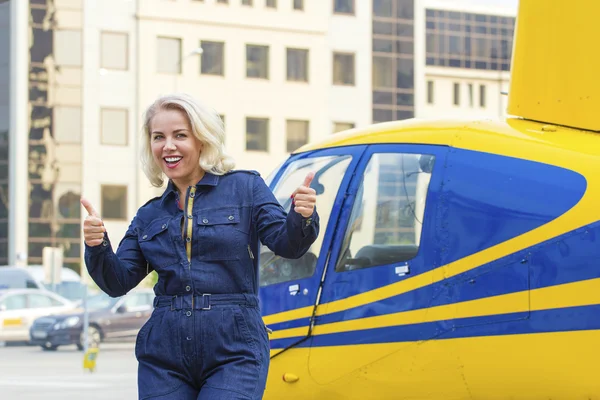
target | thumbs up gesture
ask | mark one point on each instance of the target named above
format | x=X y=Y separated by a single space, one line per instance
x=305 y=198
x=93 y=227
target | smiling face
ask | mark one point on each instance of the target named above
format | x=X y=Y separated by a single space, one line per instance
x=175 y=148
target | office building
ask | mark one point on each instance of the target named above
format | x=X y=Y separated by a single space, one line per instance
x=279 y=72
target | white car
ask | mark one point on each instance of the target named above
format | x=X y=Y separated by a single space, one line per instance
x=20 y=307
x=32 y=277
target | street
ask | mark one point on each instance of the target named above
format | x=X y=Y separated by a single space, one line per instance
x=28 y=373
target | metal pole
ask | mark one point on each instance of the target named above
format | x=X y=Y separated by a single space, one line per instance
x=85 y=320
x=18 y=135
x=53 y=269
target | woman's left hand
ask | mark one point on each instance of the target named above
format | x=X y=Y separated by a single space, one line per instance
x=305 y=198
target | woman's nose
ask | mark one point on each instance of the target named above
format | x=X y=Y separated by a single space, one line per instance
x=169 y=145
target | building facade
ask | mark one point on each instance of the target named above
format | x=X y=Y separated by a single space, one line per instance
x=279 y=72
x=464 y=59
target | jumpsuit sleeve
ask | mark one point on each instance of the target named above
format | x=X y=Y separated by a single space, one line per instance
x=287 y=235
x=116 y=274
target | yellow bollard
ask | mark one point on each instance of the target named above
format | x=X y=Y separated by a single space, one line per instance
x=89 y=359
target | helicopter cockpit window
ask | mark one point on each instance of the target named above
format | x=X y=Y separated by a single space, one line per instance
x=329 y=172
x=387 y=217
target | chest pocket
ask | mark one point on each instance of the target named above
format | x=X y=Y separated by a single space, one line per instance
x=221 y=234
x=156 y=243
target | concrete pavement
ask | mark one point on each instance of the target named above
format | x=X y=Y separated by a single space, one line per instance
x=29 y=373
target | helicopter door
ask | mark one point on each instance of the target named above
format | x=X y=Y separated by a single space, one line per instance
x=288 y=288
x=379 y=286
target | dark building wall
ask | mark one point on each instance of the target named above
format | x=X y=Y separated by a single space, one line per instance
x=54 y=137
x=4 y=125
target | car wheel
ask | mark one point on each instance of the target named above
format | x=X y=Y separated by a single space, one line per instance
x=94 y=338
x=49 y=347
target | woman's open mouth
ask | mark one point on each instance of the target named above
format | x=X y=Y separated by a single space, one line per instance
x=172 y=162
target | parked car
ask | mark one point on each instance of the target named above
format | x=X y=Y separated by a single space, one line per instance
x=110 y=319
x=32 y=277
x=20 y=307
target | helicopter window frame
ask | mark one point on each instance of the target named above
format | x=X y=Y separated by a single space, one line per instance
x=274 y=269
x=394 y=236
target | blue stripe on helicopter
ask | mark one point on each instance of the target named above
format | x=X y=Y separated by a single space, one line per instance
x=544 y=321
x=546 y=267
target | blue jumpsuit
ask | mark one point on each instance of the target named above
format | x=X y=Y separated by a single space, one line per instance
x=205 y=338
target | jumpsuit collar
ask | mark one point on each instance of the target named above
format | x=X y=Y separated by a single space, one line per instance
x=207 y=180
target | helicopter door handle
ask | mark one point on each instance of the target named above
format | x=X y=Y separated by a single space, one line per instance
x=294 y=289
x=401 y=270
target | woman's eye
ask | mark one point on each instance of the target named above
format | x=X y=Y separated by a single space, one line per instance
x=181 y=135
x=157 y=137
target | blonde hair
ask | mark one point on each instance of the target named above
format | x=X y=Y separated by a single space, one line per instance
x=206 y=125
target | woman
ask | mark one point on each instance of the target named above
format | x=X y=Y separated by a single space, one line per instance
x=206 y=338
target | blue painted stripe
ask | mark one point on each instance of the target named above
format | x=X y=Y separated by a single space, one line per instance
x=544 y=321
x=489 y=199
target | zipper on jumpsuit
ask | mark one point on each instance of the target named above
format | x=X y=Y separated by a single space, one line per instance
x=188 y=227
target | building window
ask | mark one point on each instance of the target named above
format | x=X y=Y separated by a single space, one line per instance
x=257 y=134
x=383 y=72
x=247 y=2
x=343 y=7
x=392 y=60
x=67 y=48
x=271 y=3
x=471 y=101
x=343 y=69
x=456 y=94
x=297 y=65
x=168 y=55
x=114 y=202
x=114 y=126
x=297 y=134
x=298 y=4
x=67 y=124
x=212 y=60
x=382 y=8
x=114 y=50
x=482 y=96
x=405 y=9
x=466 y=40
x=257 y=61
x=342 y=126
x=429 y=92
x=405 y=73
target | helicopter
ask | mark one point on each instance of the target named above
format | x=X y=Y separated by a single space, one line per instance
x=456 y=259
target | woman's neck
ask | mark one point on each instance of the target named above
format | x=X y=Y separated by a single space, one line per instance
x=183 y=183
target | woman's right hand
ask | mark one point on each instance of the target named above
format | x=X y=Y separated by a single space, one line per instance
x=93 y=227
